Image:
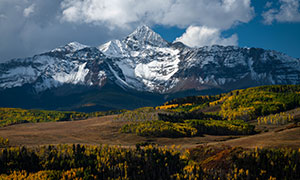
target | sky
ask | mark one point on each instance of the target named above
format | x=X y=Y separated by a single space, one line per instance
x=29 y=27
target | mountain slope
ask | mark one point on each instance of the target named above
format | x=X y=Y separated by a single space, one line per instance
x=144 y=62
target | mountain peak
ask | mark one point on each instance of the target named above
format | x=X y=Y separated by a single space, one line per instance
x=144 y=35
x=114 y=48
x=75 y=46
x=143 y=28
x=72 y=47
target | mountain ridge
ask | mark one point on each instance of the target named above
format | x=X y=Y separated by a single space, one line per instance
x=144 y=62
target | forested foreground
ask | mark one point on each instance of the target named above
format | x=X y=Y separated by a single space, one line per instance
x=147 y=162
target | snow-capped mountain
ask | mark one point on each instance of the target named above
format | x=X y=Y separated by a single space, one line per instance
x=145 y=62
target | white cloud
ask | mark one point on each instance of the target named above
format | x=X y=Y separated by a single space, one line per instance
x=42 y=30
x=28 y=29
x=29 y=10
x=197 y=36
x=207 y=17
x=221 y=14
x=288 y=12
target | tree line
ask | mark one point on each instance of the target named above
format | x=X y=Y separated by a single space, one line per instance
x=10 y=116
x=148 y=162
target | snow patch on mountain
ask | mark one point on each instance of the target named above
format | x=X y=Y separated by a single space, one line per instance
x=114 y=48
x=76 y=76
x=71 y=47
x=19 y=75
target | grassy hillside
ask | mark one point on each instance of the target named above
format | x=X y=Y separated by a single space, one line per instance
x=208 y=113
x=260 y=101
x=10 y=116
x=245 y=103
x=224 y=114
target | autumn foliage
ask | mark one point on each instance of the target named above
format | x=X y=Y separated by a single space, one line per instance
x=148 y=162
x=10 y=116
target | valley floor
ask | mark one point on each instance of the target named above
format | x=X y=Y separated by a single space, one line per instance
x=284 y=138
x=104 y=130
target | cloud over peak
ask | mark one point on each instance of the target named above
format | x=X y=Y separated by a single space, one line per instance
x=197 y=36
x=220 y=14
x=32 y=26
x=205 y=19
